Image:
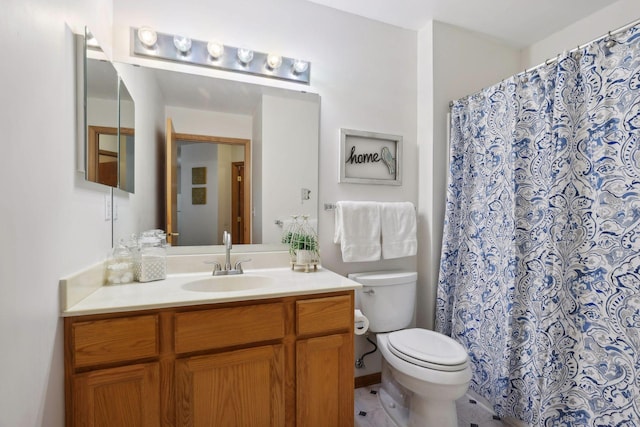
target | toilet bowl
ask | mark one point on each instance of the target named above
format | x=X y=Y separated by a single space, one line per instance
x=423 y=372
x=433 y=384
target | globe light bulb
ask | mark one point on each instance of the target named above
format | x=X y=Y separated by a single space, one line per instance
x=215 y=49
x=300 y=66
x=274 y=61
x=147 y=36
x=183 y=44
x=245 y=55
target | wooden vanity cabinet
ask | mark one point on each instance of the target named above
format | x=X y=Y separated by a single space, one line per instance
x=112 y=377
x=278 y=362
x=240 y=381
x=324 y=362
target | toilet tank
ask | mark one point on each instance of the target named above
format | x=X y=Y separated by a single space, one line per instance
x=387 y=298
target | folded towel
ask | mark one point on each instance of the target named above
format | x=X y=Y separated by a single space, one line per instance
x=398 y=229
x=357 y=229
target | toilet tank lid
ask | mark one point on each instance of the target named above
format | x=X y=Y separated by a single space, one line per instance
x=384 y=278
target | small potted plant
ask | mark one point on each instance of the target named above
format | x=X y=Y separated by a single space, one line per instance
x=303 y=243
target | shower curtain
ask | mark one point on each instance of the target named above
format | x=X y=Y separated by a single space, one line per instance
x=540 y=267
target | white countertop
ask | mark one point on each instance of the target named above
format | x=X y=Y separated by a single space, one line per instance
x=170 y=292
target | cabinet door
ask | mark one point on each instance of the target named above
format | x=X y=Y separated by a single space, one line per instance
x=117 y=397
x=235 y=388
x=324 y=381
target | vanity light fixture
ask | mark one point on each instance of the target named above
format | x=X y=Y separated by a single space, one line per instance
x=213 y=54
x=300 y=66
x=245 y=55
x=215 y=49
x=183 y=44
x=147 y=36
x=274 y=61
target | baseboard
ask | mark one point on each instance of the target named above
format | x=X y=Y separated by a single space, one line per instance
x=367 y=380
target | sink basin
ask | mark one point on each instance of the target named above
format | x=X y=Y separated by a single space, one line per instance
x=240 y=282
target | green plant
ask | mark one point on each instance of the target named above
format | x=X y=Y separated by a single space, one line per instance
x=300 y=241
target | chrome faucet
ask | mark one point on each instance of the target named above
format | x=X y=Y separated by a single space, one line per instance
x=226 y=241
x=237 y=269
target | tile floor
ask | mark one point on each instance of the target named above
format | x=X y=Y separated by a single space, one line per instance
x=369 y=413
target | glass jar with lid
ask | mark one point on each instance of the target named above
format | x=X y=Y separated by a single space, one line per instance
x=120 y=265
x=151 y=259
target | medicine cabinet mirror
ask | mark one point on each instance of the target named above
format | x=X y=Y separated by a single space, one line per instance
x=108 y=122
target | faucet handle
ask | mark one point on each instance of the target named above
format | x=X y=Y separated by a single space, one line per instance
x=216 y=266
x=238 y=266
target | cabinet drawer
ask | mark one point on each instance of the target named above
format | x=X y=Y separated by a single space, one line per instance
x=114 y=340
x=324 y=315
x=226 y=327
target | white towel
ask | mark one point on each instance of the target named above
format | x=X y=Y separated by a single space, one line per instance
x=357 y=229
x=398 y=229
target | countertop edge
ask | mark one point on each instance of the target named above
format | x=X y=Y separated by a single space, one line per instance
x=171 y=293
x=193 y=303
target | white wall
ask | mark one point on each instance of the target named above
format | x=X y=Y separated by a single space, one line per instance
x=211 y=123
x=144 y=209
x=53 y=221
x=256 y=172
x=289 y=161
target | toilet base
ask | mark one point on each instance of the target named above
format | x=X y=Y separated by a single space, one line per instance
x=396 y=412
x=409 y=409
x=422 y=414
x=432 y=413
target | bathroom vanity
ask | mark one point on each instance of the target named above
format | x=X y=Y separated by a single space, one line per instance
x=163 y=354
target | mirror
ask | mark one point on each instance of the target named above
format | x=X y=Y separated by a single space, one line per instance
x=224 y=129
x=109 y=121
x=126 y=134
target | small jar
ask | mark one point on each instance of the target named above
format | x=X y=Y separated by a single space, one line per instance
x=120 y=265
x=151 y=260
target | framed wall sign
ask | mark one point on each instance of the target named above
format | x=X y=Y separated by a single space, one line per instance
x=370 y=158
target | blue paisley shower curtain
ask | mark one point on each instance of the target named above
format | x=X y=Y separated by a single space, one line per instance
x=540 y=268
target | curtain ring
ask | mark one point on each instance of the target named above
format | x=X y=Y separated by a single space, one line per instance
x=577 y=54
x=610 y=42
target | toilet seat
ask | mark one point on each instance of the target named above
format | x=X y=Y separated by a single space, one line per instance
x=428 y=349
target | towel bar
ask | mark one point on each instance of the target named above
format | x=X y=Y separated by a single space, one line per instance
x=332 y=206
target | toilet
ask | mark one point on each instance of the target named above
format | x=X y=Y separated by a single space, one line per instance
x=423 y=372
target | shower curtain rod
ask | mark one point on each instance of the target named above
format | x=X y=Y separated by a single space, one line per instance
x=582 y=46
x=552 y=60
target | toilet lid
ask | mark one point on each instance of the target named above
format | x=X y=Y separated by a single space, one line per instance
x=428 y=349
